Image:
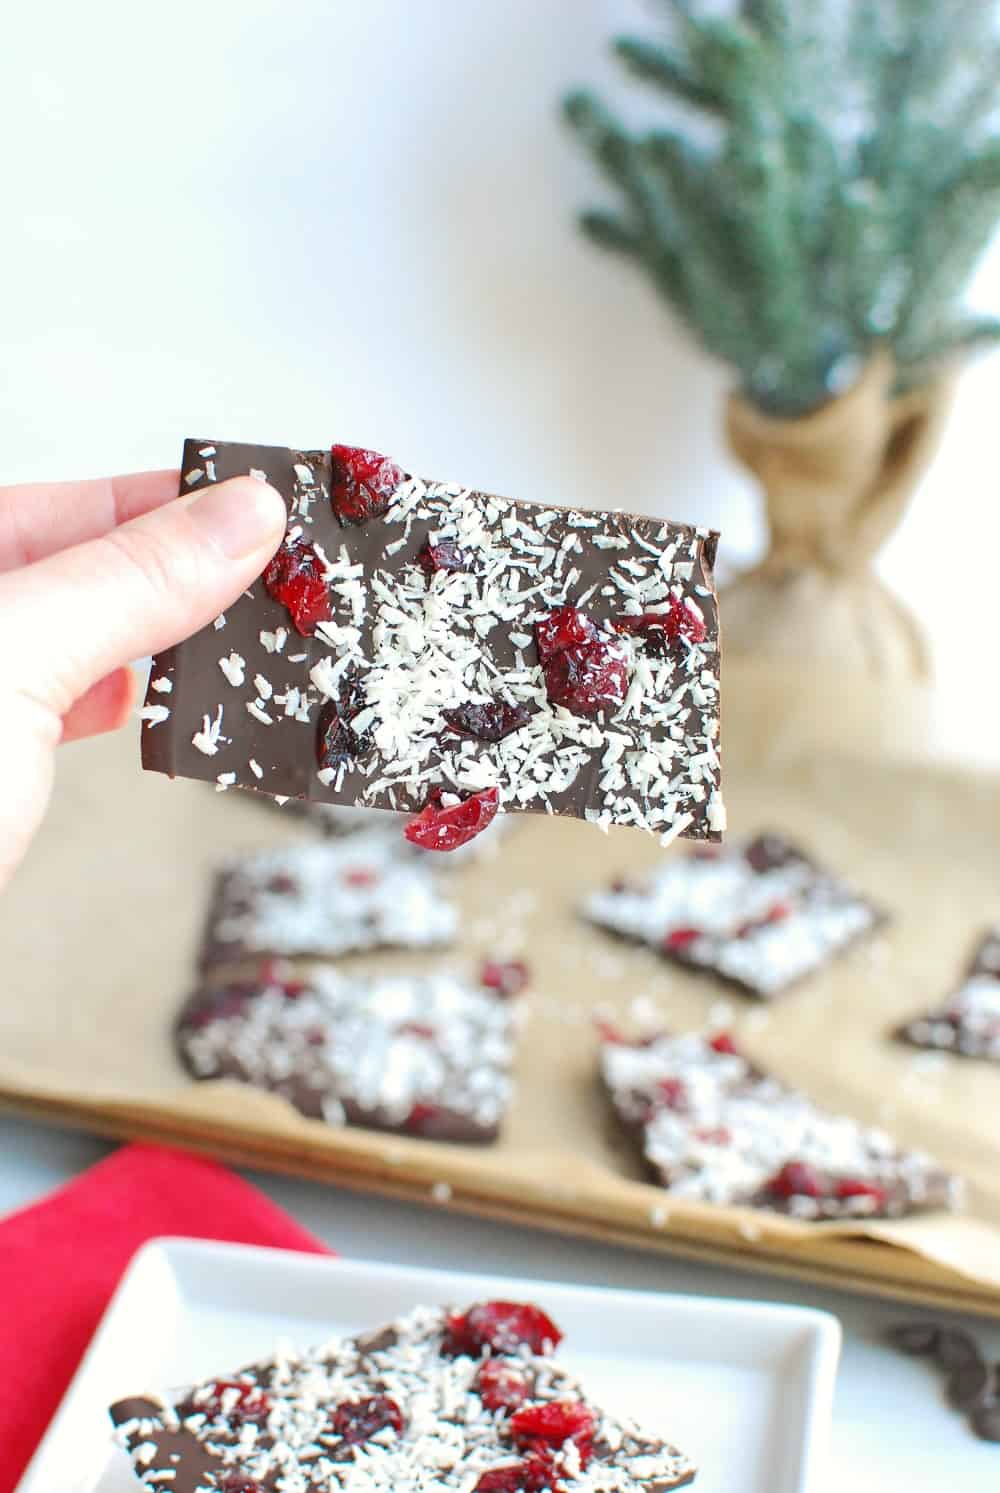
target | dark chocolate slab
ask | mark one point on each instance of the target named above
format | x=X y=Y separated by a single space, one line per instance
x=426 y=1055
x=968 y=1024
x=239 y=702
x=366 y=892
x=275 y=1427
x=761 y=915
x=713 y=1126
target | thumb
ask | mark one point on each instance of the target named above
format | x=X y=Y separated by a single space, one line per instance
x=72 y=618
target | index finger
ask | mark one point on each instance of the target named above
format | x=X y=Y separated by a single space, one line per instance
x=38 y=519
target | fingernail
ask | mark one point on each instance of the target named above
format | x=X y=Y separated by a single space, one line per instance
x=239 y=516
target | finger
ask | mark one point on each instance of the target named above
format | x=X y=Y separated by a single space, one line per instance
x=76 y=616
x=105 y=707
x=40 y=518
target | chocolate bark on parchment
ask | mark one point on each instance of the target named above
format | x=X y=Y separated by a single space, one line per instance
x=427 y=1055
x=433 y=608
x=369 y=891
x=714 y=1126
x=968 y=1024
x=467 y=1403
x=761 y=915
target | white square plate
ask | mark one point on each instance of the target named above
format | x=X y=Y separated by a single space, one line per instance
x=745 y=1388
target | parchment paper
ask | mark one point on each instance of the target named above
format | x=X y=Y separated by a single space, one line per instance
x=99 y=929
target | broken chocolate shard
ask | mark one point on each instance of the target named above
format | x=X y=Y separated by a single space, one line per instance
x=434 y=594
x=968 y=1023
x=390 y=1414
x=713 y=1126
x=761 y=916
x=427 y=1055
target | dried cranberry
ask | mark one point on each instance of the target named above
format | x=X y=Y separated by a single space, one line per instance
x=296 y=578
x=417 y=1029
x=501 y=1385
x=362 y=483
x=552 y=1424
x=337 y=742
x=508 y=977
x=856 y=1187
x=679 y=938
x=533 y=1475
x=357 y=1421
x=420 y=1116
x=586 y=678
x=488 y=722
x=501 y=1326
x=562 y=629
x=282 y=885
x=238 y=1482
x=250 y=1403
x=437 y=828
x=659 y=629
x=673 y=1092
x=723 y=1042
x=359 y=876
x=292 y=989
x=796 y=1179
x=445 y=555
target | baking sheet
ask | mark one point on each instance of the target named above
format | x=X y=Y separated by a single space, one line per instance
x=100 y=927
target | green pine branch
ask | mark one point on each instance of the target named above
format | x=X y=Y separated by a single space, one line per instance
x=851 y=182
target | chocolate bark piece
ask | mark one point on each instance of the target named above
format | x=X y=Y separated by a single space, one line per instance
x=761 y=915
x=426 y=1055
x=406 y=1416
x=968 y=1024
x=715 y=1127
x=245 y=701
x=327 y=899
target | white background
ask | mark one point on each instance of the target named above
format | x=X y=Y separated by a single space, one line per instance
x=301 y=221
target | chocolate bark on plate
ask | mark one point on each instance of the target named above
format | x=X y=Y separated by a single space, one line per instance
x=969 y=1023
x=715 y=1127
x=470 y=1402
x=426 y=1055
x=415 y=638
x=761 y=915
x=327 y=899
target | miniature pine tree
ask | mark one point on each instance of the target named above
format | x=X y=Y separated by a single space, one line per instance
x=826 y=179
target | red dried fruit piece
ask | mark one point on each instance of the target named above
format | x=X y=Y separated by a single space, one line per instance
x=562 y=629
x=796 y=1179
x=337 y=742
x=502 y=1327
x=445 y=555
x=552 y=1424
x=420 y=1116
x=488 y=722
x=250 y=1402
x=723 y=1042
x=586 y=678
x=296 y=578
x=359 y=876
x=659 y=629
x=508 y=977
x=362 y=483
x=533 y=1475
x=673 y=1092
x=501 y=1385
x=357 y=1421
x=417 y=1029
x=292 y=989
x=237 y=1482
x=679 y=938
x=282 y=885
x=856 y=1187
x=437 y=828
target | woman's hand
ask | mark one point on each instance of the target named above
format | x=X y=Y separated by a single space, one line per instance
x=93 y=575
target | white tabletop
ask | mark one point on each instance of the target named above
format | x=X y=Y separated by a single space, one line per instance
x=892 y=1428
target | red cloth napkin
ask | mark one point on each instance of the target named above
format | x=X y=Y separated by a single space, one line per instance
x=61 y=1259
